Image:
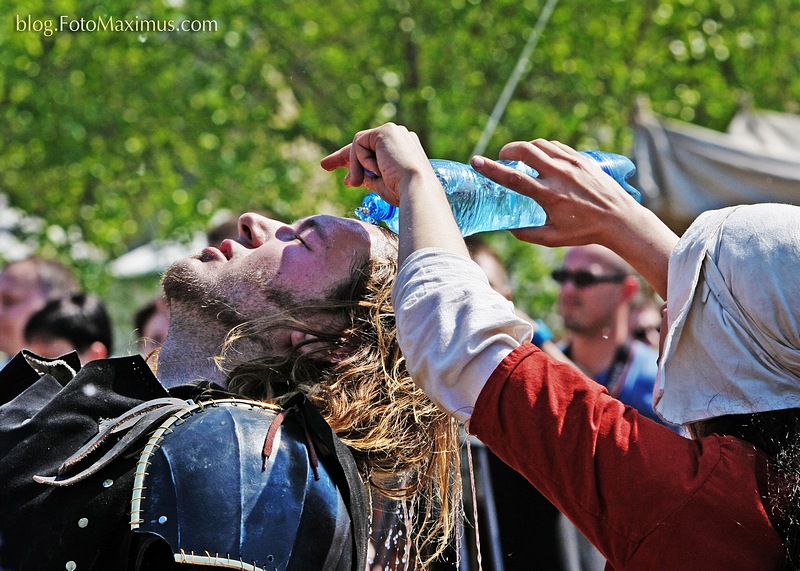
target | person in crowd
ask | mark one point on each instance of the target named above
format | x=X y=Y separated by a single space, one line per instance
x=151 y=324
x=645 y=317
x=25 y=286
x=597 y=287
x=78 y=322
x=645 y=496
x=596 y=290
x=292 y=323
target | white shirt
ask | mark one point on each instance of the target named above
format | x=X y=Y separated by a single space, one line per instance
x=453 y=328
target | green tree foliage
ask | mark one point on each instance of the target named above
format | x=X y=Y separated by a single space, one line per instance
x=119 y=138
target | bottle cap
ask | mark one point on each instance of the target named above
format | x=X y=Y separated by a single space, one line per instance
x=374 y=209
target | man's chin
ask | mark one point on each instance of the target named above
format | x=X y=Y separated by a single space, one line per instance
x=181 y=281
x=189 y=290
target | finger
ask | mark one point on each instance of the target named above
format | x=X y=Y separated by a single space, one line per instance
x=547 y=152
x=369 y=180
x=554 y=156
x=539 y=154
x=364 y=147
x=515 y=151
x=337 y=159
x=375 y=184
x=564 y=148
x=363 y=154
x=356 y=175
x=543 y=235
x=509 y=177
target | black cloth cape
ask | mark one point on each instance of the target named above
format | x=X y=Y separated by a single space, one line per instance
x=49 y=408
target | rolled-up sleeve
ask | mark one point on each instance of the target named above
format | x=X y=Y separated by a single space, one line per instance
x=453 y=328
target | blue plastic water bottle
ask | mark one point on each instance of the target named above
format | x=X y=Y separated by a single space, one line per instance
x=481 y=205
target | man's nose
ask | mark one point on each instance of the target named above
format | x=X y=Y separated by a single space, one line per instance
x=255 y=229
x=569 y=286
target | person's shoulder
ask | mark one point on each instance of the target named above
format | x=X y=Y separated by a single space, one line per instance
x=238 y=452
x=643 y=360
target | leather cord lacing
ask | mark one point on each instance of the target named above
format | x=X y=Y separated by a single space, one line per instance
x=273 y=431
x=137 y=421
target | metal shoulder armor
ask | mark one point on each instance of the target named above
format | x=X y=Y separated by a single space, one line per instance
x=246 y=485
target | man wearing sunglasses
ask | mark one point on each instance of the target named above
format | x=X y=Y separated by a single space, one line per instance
x=597 y=288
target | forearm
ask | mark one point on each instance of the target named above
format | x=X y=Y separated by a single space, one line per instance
x=646 y=243
x=426 y=220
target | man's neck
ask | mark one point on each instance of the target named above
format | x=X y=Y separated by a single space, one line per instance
x=593 y=353
x=187 y=357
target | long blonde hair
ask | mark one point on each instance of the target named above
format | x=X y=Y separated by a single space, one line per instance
x=406 y=448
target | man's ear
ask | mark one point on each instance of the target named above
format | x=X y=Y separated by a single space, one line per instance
x=306 y=343
x=630 y=285
x=96 y=350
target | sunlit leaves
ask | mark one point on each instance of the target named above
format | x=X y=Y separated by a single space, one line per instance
x=126 y=137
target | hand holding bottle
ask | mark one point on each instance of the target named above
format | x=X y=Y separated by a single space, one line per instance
x=382 y=160
x=584 y=206
x=579 y=198
x=403 y=176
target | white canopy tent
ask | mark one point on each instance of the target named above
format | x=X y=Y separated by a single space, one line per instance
x=155 y=257
x=683 y=169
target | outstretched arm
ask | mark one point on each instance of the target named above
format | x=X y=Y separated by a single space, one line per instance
x=584 y=206
x=451 y=342
x=452 y=326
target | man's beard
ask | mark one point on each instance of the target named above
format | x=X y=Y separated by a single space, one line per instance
x=183 y=288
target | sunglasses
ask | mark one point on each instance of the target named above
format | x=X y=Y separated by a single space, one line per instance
x=582 y=278
x=642 y=333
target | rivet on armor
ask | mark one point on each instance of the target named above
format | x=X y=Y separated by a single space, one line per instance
x=83 y=522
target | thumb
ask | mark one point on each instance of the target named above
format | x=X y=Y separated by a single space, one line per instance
x=543 y=235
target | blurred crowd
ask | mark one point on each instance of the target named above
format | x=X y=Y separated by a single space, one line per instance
x=43 y=309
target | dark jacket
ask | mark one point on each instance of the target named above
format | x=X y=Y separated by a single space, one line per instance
x=50 y=409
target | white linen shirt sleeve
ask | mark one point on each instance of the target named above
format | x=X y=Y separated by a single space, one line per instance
x=453 y=328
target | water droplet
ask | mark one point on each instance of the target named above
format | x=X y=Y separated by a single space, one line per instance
x=142 y=38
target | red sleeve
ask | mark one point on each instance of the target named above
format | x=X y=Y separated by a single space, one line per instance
x=640 y=492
